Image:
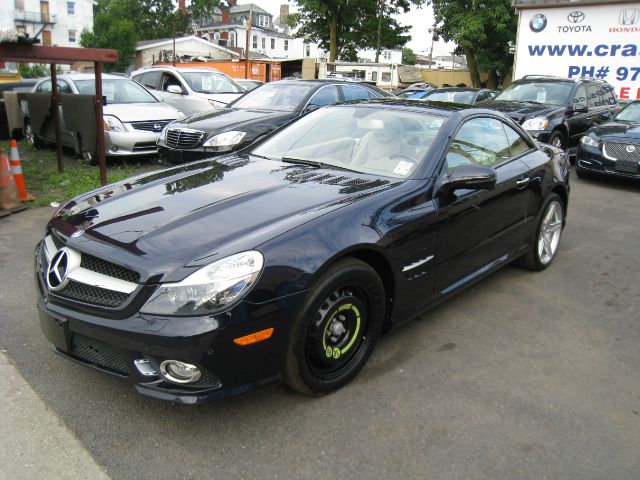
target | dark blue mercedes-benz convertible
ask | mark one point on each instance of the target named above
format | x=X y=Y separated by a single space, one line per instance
x=285 y=261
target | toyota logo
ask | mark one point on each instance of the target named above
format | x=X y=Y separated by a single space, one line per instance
x=630 y=149
x=157 y=127
x=62 y=264
x=575 y=17
x=538 y=23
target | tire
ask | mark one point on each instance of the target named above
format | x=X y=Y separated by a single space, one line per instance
x=544 y=246
x=557 y=140
x=336 y=329
x=31 y=137
x=90 y=157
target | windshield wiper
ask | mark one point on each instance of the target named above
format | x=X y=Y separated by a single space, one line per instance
x=315 y=163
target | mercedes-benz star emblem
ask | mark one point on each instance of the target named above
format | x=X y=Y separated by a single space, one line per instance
x=575 y=17
x=58 y=270
x=538 y=23
x=157 y=127
x=630 y=148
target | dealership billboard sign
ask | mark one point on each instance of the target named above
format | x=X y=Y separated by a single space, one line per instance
x=599 y=41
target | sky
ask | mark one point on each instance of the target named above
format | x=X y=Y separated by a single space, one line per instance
x=419 y=19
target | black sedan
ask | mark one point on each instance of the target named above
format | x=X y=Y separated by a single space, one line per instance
x=466 y=96
x=285 y=261
x=612 y=148
x=253 y=116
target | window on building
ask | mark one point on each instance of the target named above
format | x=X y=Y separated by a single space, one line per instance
x=263 y=20
x=386 y=77
x=386 y=55
x=232 y=39
x=273 y=43
x=307 y=51
x=264 y=43
x=71 y=8
x=19 y=4
x=286 y=45
x=374 y=76
x=254 y=43
x=73 y=36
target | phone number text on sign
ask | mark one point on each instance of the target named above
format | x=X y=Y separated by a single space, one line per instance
x=621 y=74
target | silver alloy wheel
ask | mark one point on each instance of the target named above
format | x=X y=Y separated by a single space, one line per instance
x=550 y=231
x=557 y=141
x=28 y=134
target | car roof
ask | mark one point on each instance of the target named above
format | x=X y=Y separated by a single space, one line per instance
x=89 y=76
x=159 y=68
x=553 y=79
x=456 y=89
x=443 y=108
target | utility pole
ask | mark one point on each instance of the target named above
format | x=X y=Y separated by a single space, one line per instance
x=246 y=60
x=380 y=12
x=431 y=31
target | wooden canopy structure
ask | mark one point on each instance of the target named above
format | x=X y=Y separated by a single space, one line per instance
x=25 y=53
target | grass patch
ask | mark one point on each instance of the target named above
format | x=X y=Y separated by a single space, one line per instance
x=40 y=169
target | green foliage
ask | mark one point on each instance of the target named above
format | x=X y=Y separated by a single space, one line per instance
x=482 y=29
x=344 y=26
x=35 y=70
x=119 y=24
x=408 y=56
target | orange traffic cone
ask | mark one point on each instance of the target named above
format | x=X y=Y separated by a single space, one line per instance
x=16 y=169
x=8 y=191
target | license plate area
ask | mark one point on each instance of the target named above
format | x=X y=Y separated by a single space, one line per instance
x=56 y=329
x=627 y=166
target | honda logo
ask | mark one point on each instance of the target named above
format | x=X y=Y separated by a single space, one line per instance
x=629 y=16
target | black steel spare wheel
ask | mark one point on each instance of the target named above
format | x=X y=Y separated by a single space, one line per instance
x=337 y=329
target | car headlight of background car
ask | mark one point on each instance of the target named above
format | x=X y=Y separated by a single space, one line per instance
x=113 y=124
x=210 y=289
x=224 y=141
x=538 y=123
x=589 y=141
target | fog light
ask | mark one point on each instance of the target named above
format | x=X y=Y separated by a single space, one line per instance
x=179 y=372
x=114 y=148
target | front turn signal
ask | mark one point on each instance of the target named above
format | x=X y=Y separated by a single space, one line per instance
x=254 y=337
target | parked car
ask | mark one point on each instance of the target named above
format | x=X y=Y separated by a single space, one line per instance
x=557 y=110
x=25 y=85
x=248 y=84
x=285 y=261
x=190 y=90
x=133 y=117
x=612 y=148
x=254 y=115
x=466 y=96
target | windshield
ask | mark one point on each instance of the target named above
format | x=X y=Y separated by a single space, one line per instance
x=117 y=91
x=464 y=96
x=537 y=92
x=285 y=97
x=211 y=82
x=630 y=113
x=391 y=143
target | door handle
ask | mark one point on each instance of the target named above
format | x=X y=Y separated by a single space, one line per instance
x=523 y=182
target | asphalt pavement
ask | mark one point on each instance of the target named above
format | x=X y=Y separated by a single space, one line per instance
x=524 y=376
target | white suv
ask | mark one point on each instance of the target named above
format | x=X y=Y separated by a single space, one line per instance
x=189 y=89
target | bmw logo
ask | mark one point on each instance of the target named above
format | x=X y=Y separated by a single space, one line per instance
x=538 y=23
x=575 y=17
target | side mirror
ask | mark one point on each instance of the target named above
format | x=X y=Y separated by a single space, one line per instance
x=470 y=177
x=580 y=108
x=174 y=89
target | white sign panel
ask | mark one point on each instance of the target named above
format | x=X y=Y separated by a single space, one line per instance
x=601 y=41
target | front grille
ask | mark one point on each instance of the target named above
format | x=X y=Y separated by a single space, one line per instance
x=183 y=138
x=144 y=146
x=618 y=151
x=98 y=265
x=151 y=125
x=57 y=239
x=99 y=353
x=83 y=292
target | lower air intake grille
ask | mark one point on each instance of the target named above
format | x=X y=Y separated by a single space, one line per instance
x=83 y=292
x=98 y=352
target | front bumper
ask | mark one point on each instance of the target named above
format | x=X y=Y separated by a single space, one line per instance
x=113 y=345
x=131 y=142
x=593 y=161
x=170 y=155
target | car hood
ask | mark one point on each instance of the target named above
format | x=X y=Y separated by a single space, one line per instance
x=521 y=110
x=173 y=217
x=233 y=118
x=135 y=112
x=626 y=130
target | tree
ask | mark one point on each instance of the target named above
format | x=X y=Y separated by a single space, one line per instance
x=344 y=26
x=408 y=56
x=482 y=29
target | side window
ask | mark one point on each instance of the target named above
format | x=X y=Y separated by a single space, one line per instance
x=517 y=144
x=325 y=96
x=64 y=87
x=580 y=98
x=169 y=79
x=593 y=96
x=151 y=80
x=482 y=96
x=480 y=141
x=44 y=87
x=353 y=92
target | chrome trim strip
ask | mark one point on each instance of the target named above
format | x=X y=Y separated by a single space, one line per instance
x=604 y=151
x=49 y=248
x=417 y=264
x=99 y=280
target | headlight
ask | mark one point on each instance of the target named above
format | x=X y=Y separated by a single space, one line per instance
x=211 y=289
x=538 y=123
x=224 y=141
x=112 y=124
x=589 y=141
